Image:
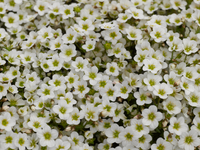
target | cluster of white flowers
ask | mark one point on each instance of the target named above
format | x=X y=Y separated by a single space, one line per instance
x=99 y=74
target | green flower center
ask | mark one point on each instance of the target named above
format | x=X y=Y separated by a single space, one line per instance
x=41 y=7
x=151 y=67
x=36 y=124
x=55 y=63
x=139 y=127
x=128 y=136
x=80 y=65
x=4 y=122
x=188 y=140
x=57 y=83
x=46 y=92
x=110 y=92
x=170 y=106
x=133 y=35
x=176 y=126
x=143 y=97
x=102 y=84
x=11 y=20
x=161 y=91
x=75 y=116
x=113 y=35
x=70 y=37
x=92 y=75
x=158 y=35
x=194 y=98
x=116 y=134
x=21 y=141
x=112 y=69
x=151 y=116
x=63 y=110
x=67 y=11
x=71 y=80
x=81 y=88
x=8 y=139
x=68 y=52
x=107 y=108
x=85 y=27
x=107 y=125
x=123 y=90
x=47 y=136
x=161 y=147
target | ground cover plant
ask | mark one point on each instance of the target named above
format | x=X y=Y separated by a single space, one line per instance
x=99 y=74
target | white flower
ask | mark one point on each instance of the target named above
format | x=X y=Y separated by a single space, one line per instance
x=44 y=33
x=41 y=7
x=47 y=136
x=71 y=79
x=62 y=109
x=58 y=82
x=133 y=33
x=193 y=98
x=142 y=97
x=75 y=116
x=178 y=4
x=8 y=139
x=11 y=20
x=92 y=75
x=141 y=56
x=86 y=25
x=159 y=34
x=161 y=144
x=101 y=84
x=35 y=123
x=189 y=46
x=172 y=105
x=152 y=65
x=81 y=88
x=170 y=78
x=33 y=142
x=6 y=121
x=151 y=117
x=79 y=64
x=67 y=11
x=136 y=13
x=90 y=112
x=139 y=127
x=60 y=144
x=107 y=108
x=3 y=89
x=187 y=85
x=113 y=133
x=109 y=92
x=196 y=125
x=21 y=141
x=162 y=90
x=112 y=69
x=144 y=141
x=46 y=92
x=55 y=63
x=70 y=36
x=123 y=89
x=112 y=35
x=56 y=44
x=178 y=126
x=89 y=45
x=76 y=139
x=189 y=140
x=190 y=73
x=123 y=17
x=134 y=80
